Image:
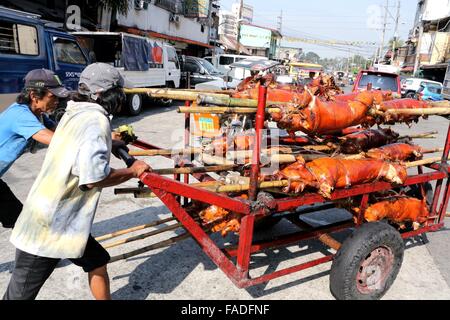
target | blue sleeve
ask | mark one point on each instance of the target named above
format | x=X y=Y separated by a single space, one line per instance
x=48 y=123
x=26 y=124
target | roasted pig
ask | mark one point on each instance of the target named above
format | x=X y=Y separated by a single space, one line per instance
x=327 y=174
x=398 y=211
x=396 y=152
x=362 y=141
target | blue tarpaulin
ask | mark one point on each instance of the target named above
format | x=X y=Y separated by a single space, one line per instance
x=135 y=54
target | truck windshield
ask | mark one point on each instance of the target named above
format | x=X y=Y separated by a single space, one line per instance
x=208 y=66
x=379 y=82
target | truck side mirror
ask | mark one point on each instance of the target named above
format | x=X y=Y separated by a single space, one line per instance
x=202 y=71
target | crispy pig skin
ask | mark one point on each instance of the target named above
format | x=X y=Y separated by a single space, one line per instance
x=327 y=174
x=390 y=118
x=323 y=117
x=399 y=211
x=396 y=152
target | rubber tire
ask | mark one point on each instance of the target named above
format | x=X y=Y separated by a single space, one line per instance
x=410 y=95
x=354 y=250
x=134 y=106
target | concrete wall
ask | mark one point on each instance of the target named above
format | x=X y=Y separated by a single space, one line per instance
x=157 y=19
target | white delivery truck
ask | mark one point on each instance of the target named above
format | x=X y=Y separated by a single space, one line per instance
x=142 y=61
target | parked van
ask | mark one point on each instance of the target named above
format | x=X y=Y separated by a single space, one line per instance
x=28 y=42
x=142 y=61
x=223 y=61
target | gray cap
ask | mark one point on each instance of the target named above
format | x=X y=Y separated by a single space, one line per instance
x=45 y=79
x=99 y=77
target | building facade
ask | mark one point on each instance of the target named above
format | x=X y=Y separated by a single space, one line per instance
x=428 y=46
x=185 y=24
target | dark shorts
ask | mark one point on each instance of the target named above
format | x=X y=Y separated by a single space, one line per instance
x=31 y=271
x=11 y=206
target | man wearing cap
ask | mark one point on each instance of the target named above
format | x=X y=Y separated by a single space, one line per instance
x=57 y=216
x=22 y=124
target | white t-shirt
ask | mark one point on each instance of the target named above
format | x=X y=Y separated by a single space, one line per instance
x=57 y=216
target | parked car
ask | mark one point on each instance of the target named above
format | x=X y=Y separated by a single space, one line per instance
x=410 y=86
x=200 y=70
x=430 y=91
x=239 y=71
x=379 y=80
x=143 y=62
x=27 y=42
x=223 y=61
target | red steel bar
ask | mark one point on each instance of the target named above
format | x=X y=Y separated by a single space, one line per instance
x=362 y=209
x=259 y=126
x=267 y=277
x=245 y=243
x=200 y=236
x=153 y=180
x=293 y=238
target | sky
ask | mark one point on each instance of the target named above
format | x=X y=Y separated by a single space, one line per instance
x=345 y=20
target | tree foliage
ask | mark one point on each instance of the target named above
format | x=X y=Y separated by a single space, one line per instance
x=120 y=6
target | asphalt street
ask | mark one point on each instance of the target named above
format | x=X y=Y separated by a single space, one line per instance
x=183 y=271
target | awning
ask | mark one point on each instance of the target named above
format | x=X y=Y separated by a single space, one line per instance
x=231 y=44
x=434 y=66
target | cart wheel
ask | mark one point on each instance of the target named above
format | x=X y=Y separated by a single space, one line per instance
x=367 y=263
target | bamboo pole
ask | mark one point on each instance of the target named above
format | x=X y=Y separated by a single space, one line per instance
x=170 y=93
x=137 y=228
x=213 y=160
x=420 y=111
x=222 y=110
x=164 y=152
x=420 y=135
x=439 y=104
x=422 y=162
x=191 y=170
x=232 y=102
x=433 y=150
x=154 y=246
x=143 y=236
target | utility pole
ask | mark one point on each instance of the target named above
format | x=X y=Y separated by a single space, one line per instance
x=241 y=8
x=419 y=41
x=280 y=26
x=384 y=30
x=394 y=44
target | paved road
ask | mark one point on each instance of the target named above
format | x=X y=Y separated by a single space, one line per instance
x=183 y=271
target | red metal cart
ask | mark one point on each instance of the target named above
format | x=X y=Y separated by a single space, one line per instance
x=364 y=266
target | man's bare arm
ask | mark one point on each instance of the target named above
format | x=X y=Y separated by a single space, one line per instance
x=43 y=136
x=118 y=176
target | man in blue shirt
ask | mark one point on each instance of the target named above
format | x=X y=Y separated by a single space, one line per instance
x=23 y=123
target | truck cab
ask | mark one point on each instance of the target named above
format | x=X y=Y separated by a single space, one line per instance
x=379 y=80
x=28 y=42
